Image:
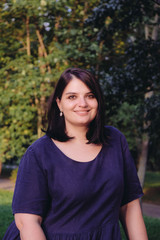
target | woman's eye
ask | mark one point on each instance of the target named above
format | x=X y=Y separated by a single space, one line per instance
x=72 y=97
x=91 y=96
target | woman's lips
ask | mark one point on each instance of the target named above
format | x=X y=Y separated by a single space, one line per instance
x=82 y=113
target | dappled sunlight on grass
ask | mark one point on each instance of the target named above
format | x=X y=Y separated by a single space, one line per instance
x=152 y=188
x=152 y=179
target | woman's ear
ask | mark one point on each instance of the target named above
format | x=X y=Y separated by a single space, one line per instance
x=58 y=103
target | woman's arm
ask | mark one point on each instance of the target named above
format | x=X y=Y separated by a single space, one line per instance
x=29 y=226
x=132 y=221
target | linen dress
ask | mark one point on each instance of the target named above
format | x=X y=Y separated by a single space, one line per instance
x=77 y=200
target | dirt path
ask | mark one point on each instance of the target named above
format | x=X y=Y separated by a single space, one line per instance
x=151 y=210
x=148 y=209
x=6 y=184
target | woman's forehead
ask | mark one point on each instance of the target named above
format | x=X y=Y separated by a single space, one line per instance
x=76 y=85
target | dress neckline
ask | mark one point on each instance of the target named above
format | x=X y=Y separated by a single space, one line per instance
x=53 y=145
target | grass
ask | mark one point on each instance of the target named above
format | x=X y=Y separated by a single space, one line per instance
x=6 y=216
x=152 y=188
x=152 y=179
x=152 y=226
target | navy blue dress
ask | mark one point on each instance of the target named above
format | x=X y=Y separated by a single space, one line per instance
x=77 y=200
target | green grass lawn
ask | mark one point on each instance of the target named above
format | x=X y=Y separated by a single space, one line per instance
x=152 y=226
x=5 y=210
x=152 y=179
x=152 y=188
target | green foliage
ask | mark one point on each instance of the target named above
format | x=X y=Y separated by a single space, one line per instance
x=18 y=108
x=106 y=37
x=129 y=69
x=13 y=176
x=127 y=118
x=25 y=81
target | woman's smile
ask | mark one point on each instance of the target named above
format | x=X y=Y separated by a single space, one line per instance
x=82 y=113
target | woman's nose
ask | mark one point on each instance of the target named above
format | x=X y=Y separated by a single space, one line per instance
x=82 y=102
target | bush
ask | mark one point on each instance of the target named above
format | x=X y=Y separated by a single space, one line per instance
x=14 y=175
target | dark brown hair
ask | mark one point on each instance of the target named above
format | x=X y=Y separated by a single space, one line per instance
x=56 y=123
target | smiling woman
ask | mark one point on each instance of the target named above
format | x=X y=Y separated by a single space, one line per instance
x=78 y=105
x=78 y=180
x=79 y=93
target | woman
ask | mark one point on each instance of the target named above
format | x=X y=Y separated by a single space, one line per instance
x=78 y=180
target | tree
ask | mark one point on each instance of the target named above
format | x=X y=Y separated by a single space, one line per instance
x=129 y=66
x=26 y=76
x=153 y=34
x=42 y=44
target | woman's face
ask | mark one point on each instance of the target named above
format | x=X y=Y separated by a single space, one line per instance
x=78 y=104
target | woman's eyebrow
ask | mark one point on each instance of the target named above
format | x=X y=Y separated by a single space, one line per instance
x=77 y=93
x=71 y=93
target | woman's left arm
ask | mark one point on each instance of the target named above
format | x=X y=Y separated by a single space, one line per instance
x=132 y=221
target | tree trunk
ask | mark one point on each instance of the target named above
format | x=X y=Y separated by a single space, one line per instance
x=42 y=47
x=145 y=137
x=39 y=117
x=40 y=103
x=143 y=159
x=144 y=147
x=0 y=168
x=146 y=30
x=155 y=29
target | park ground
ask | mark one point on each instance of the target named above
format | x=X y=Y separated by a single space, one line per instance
x=150 y=204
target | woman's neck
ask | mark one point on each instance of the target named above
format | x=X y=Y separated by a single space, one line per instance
x=79 y=133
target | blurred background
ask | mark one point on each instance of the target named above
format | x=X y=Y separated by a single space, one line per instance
x=118 y=40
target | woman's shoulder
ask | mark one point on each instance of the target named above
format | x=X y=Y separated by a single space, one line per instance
x=40 y=145
x=112 y=131
x=115 y=135
x=37 y=151
x=40 y=142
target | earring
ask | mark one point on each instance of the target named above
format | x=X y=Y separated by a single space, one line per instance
x=61 y=114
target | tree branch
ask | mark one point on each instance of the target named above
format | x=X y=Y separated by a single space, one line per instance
x=42 y=47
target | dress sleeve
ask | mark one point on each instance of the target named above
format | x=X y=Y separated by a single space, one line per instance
x=132 y=187
x=31 y=190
